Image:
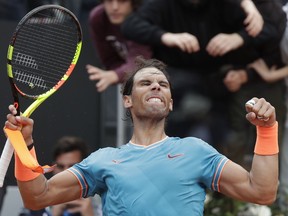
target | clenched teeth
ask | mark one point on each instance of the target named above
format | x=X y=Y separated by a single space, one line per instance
x=154 y=100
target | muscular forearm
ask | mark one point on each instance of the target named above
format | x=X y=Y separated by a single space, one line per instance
x=40 y=192
x=264 y=178
x=261 y=183
x=264 y=172
x=31 y=192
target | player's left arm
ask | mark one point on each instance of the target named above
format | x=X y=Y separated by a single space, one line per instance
x=261 y=183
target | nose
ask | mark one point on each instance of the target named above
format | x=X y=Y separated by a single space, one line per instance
x=115 y=4
x=156 y=86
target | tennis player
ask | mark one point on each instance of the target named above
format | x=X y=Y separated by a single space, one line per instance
x=154 y=174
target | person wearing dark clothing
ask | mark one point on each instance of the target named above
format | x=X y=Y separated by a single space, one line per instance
x=243 y=81
x=116 y=53
x=161 y=23
x=167 y=26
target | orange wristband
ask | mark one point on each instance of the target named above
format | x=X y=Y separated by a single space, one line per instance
x=22 y=173
x=267 y=140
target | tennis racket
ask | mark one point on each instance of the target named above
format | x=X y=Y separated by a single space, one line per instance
x=42 y=54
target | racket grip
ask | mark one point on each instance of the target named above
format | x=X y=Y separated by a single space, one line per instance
x=5 y=159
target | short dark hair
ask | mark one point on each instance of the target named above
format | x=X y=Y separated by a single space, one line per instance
x=68 y=144
x=141 y=63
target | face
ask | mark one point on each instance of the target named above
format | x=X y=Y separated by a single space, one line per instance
x=151 y=95
x=117 y=10
x=66 y=160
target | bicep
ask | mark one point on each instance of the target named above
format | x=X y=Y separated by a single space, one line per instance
x=40 y=192
x=235 y=182
x=63 y=187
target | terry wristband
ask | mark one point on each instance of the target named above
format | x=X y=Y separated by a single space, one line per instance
x=23 y=154
x=267 y=140
x=22 y=173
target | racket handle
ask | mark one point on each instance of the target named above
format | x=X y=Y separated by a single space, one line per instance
x=5 y=159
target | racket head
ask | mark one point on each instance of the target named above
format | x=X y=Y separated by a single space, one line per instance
x=43 y=51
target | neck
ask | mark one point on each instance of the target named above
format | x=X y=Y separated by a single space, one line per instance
x=147 y=133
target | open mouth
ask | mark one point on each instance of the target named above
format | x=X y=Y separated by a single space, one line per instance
x=154 y=100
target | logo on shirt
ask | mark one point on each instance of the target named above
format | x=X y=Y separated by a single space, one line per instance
x=171 y=156
x=116 y=161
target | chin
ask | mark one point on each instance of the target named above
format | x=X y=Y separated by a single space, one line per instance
x=116 y=21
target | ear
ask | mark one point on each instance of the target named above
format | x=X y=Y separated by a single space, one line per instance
x=171 y=105
x=127 y=101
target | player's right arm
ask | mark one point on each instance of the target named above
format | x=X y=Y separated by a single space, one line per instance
x=39 y=192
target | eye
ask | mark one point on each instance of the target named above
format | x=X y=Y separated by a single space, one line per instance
x=164 y=84
x=145 y=83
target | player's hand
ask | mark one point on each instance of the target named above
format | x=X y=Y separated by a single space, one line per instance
x=254 y=21
x=24 y=124
x=184 y=41
x=222 y=43
x=260 y=112
x=104 y=78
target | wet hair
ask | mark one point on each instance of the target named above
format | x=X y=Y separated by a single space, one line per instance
x=68 y=144
x=135 y=3
x=141 y=63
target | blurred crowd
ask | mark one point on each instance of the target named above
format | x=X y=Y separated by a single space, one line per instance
x=219 y=55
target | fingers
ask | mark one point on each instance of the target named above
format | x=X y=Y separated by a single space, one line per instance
x=14 y=122
x=101 y=85
x=189 y=43
x=254 y=20
x=222 y=43
x=232 y=81
x=184 y=41
x=17 y=122
x=12 y=109
x=260 y=112
x=254 y=24
x=95 y=76
x=216 y=47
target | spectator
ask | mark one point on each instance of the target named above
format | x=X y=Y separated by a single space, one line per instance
x=68 y=151
x=179 y=32
x=242 y=81
x=116 y=53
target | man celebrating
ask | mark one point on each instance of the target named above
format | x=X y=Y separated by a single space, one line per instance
x=155 y=174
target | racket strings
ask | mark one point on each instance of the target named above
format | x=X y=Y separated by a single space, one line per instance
x=31 y=80
x=55 y=53
x=44 y=49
